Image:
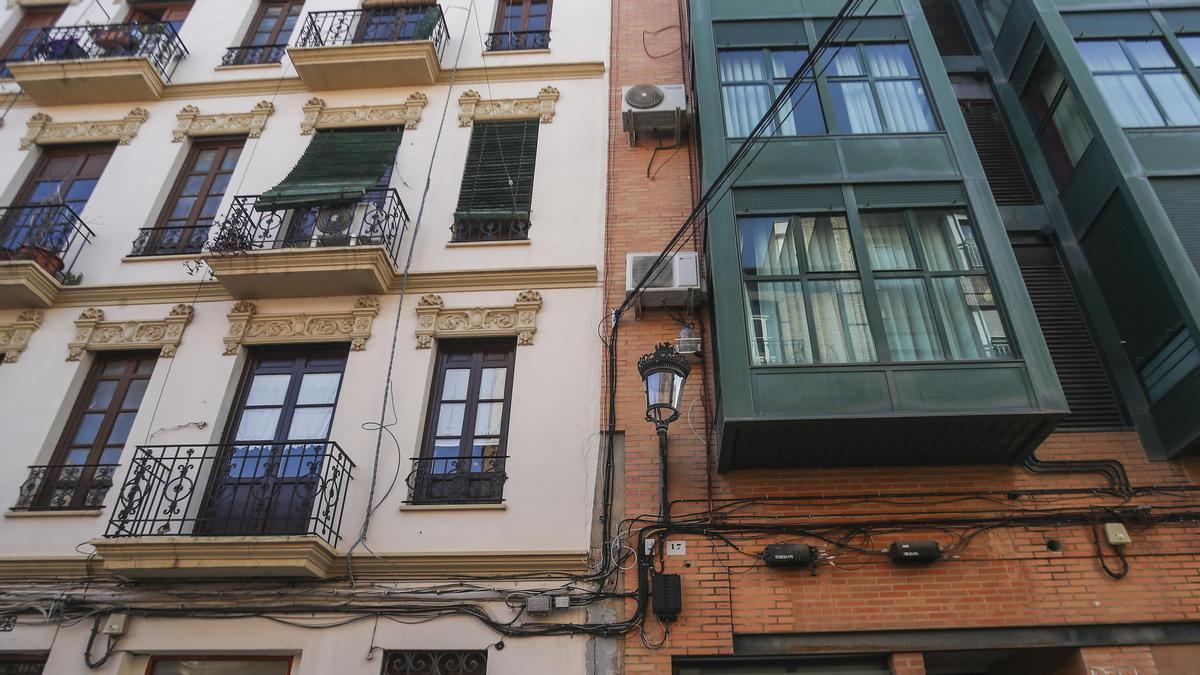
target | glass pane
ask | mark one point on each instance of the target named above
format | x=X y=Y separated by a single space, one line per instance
x=895 y=60
x=1128 y=100
x=77 y=456
x=1076 y=135
x=134 y=394
x=491 y=383
x=1191 y=45
x=110 y=456
x=210 y=206
x=268 y=389
x=785 y=62
x=114 y=367
x=1177 y=98
x=777 y=323
x=827 y=241
x=1042 y=88
x=146 y=366
x=204 y=160
x=971 y=318
x=888 y=244
x=318 y=388
x=450 y=419
x=454 y=388
x=769 y=246
x=846 y=63
x=1150 y=54
x=89 y=426
x=310 y=423
x=742 y=66
x=854 y=107
x=907 y=320
x=744 y=107
x=258 y=425
x=231 y=159
x=102 y=395
x=220 y=182
x=1104 y=56
x=905 y=108
x=840 y=317
x=487 y=419
x=120 y=429
x=191 y=186
x=445 y=450
x=249 y=461
x=183 y=207
x=802 y=115
x=994 y=12
x=948 y=240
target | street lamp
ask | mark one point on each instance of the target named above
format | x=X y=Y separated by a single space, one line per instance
x=664 y=372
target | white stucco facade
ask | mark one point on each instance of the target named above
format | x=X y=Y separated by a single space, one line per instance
x=552 y=444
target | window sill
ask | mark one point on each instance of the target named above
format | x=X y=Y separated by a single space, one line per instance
x=454 y=507
x=153 y=258
x=249 y=66
x=505 y=242
x=58 y=513
x=511 y=52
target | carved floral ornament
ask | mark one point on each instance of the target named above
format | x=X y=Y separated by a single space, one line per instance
x=248 y=327
x=434 y=320
x=473 y=108
x=44 y=131
x=93 y=333
x=318 y=116
x=192 y=123
x=14 y=337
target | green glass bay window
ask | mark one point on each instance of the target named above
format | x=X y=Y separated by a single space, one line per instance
x=918 y=291
x=1142 y=83
x=1057 y=116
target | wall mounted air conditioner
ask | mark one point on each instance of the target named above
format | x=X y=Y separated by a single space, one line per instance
x=654 y=111
x=676 y=284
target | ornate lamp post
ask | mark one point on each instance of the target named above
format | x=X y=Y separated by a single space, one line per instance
x=664 y=372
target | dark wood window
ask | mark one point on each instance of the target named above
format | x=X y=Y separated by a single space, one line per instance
x=173 y=13
x=497 y=186
x=269 y=33
x=521 y=24
x=467 y=427
x=442 y=663
x=239 y=665
x=17 y=46
x=188 y=214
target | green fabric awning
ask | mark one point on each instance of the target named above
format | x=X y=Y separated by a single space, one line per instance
x=336 y=168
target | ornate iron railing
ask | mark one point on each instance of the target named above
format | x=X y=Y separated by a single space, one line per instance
x=435 y=663
x=380 y=24
x=253 y=55
x=158 y=42
x=59 y=487
x=378 y=219
x=234 y=489
x=457 y=480
x=169 y=240
x=51 y=235
x=517 y=40
x=489 y=227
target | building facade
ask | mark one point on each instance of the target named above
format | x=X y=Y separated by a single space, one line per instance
x=288 y=296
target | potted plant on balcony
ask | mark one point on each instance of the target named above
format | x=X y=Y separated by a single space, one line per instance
x=46 y=258
x=114 y=39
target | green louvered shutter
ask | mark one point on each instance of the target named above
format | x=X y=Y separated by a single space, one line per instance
x=498 y=178
x=1180 y=198
x=336 y=168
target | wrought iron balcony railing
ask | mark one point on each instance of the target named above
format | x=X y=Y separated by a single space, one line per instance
x=378 y=219
x=518 y=40
x=370 y=26
x=51 y=235
x=457 y=480
x=252 y=55
x=250 y=489
x=158 y=42
x=60 y=487
x=489 y=227
x=169 y=240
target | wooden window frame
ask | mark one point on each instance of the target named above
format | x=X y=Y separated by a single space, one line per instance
x=80 y=151
x=137 y=8
x=155 y=660
x=261 y=13
x=160 y=224
x=526 y=7
x=24 y=24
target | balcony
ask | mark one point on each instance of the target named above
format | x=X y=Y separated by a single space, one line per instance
x=517 y=41
x=262 y=509
x=478 y=227
x=111 y=63
x=457 y=480
x=258 y=55
x=65 y=487
x=378 y=47
x=343 y=249
x=39 y=245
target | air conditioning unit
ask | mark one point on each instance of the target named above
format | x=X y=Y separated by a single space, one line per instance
x=654 y=111
x=676 y=284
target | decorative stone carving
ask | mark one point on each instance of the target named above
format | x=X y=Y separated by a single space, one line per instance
x=472 y=107
x=248 y=327
x=44 y=131
x=519 y=319
x=192 y=123
x=317 y=116
x=14 y=337
x=93 y=333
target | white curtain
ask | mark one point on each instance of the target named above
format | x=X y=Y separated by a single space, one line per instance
x=1128 y=100
x=745 y=104
x=827 y=243
x=778 y=322
x=855 y=108
x=888 y=244
x=1177 y=97
x=840 y=317
x=1191 y=45
x=970 y=317
x=907 y=320
x=1104 y=56
x=904 y=106
x=948 y=241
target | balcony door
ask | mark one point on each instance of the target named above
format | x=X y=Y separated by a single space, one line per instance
x=173 y=13
x=19 y=44
x=270 y=471
x=65 y=175
x=188 y=215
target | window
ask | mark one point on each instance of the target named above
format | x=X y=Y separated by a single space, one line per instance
x=25 y=34
x=172 y=13
x=1057 y=118
x=1191 y=45
x=806 y=302
x=241 y=665
x=873 y=88
x=269 y=33
x=1142 y=83
x=521 y=24
x=467 y=428
x=442 y=663
x=188 y=214
x=497 y=185
x=994 y=13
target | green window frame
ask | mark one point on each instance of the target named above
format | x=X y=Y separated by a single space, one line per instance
x=496 y=196
x=1057 y=118
x=1142 y=83
x=750 y=81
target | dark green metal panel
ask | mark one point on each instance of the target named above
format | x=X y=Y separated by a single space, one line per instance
x=963 y=388
x=1180 y=198
x=869 y=30
x=813 y=198
x=1110 y=24
x=1167 y=151
x=1084 y=196
x=741 y=9
x=335 y=168
x=759 y=33
x=795 y=392
x=909 y=194
x=1183 y=20
x=799 y=160
x=1175 y=361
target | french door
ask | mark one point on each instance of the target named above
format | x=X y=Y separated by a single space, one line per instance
x=65 y=175
x=270 y=470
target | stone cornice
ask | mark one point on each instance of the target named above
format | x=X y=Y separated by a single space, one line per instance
x=44 y=131
x=318 y=116
x=193 y=124
x=14 y=337
x=473 y=108
x=434 y=320
x=248 y=327
x=93 y=333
